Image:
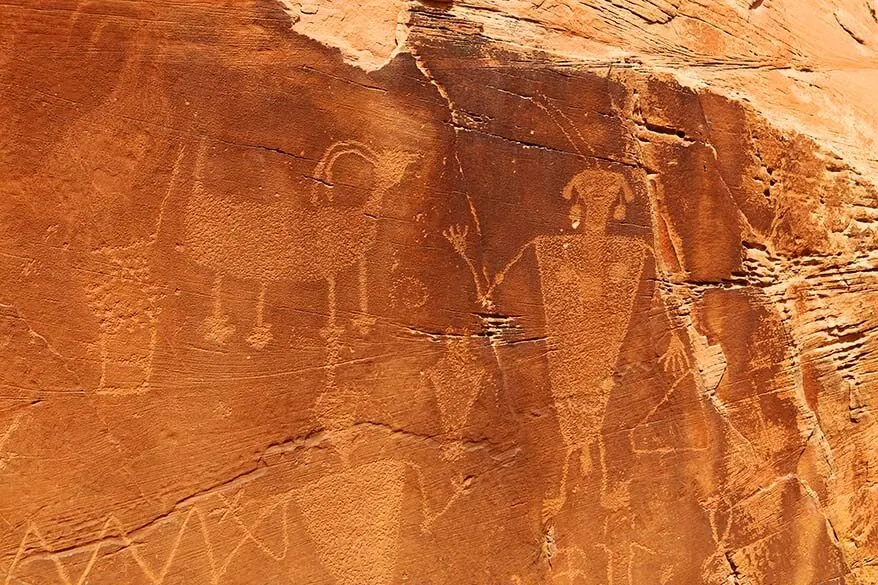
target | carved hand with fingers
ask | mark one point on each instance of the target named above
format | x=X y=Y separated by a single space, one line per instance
x=456 y=236
x=675 y=360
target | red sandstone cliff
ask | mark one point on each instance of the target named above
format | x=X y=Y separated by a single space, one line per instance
x=390 y=292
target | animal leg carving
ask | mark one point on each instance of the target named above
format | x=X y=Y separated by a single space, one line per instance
x=216 y=327
x=260 y=336
x=365 y=321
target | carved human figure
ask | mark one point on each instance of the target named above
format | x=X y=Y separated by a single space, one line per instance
x=125 y=297
x=126 y=302
x=589 y=281
x=353 y=516
x=457 y=379
x=588 y=284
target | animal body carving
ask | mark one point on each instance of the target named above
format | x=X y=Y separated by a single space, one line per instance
x=288 y=239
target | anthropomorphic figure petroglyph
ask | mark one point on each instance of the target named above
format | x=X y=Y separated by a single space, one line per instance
x=588 y=282
x=586 y=273
x=457 y=379
x=288 y=240
x=354 y=517
x=125 y=297
x=126 y=304
x=354 y=513
x=104 y=224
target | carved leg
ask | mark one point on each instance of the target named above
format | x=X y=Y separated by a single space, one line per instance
x=335 y=408
x=365 y=321
x=260 y=336
x=552 y=506
x=332 y=334
x=216 y=327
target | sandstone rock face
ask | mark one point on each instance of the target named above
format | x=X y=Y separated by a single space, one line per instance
x=490 y=292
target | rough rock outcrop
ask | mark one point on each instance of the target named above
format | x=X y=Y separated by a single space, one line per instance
x=438 y=292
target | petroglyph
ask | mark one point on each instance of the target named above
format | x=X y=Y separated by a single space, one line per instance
x=457 y=379
x=549 y=545
x=353 y=517
x=460 y=487
x=195 y=517
x=292 y=239
x=261 y=336
x=458 y=237
x=216 y=327
x=126 y=302
x=610 y=329
x=408 y=292
x=582 y=276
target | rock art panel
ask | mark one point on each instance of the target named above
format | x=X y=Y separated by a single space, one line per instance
x=299 y=292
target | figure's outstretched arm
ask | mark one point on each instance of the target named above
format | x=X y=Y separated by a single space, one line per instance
x=670 y=322
x=457 y=237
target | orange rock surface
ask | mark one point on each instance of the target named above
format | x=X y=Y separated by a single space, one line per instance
x=495 y=292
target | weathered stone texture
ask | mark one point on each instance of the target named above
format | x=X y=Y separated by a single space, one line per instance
x=483 y=292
